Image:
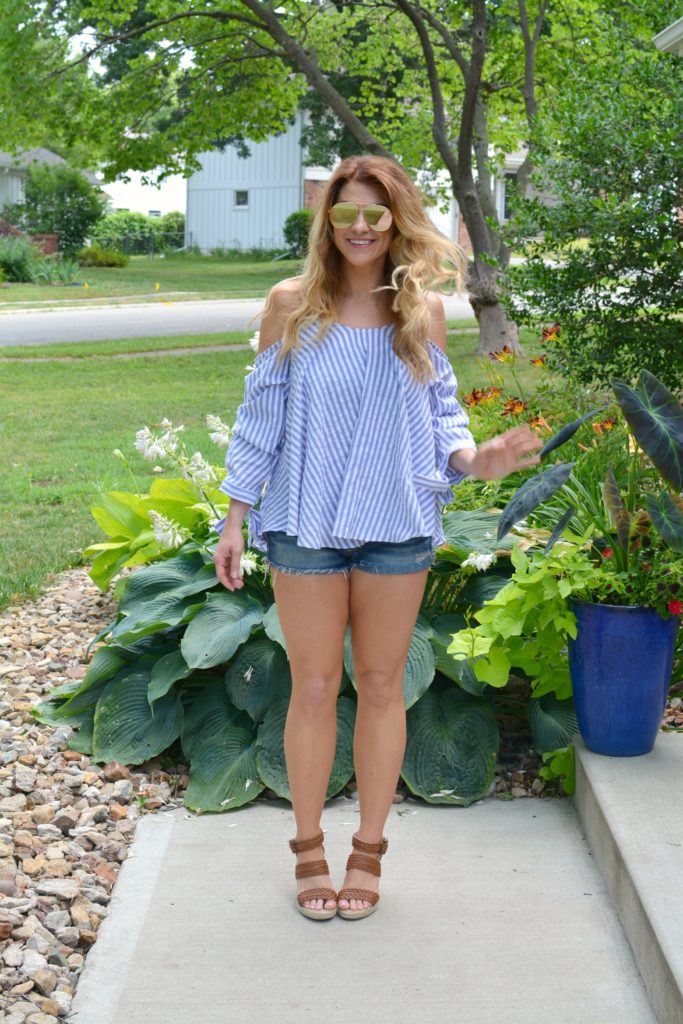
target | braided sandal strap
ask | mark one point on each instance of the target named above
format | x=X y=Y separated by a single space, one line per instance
x=358 y=894
x=364 y=862
x=301 y=845
x=316 y=894
x=379 y=848
x=310 y=868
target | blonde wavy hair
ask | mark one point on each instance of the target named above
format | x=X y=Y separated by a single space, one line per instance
x=419 y=258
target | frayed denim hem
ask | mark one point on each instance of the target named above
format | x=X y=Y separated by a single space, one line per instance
x=305 y=572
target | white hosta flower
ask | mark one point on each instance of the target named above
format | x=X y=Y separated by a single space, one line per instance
x=199 y=471
x=248 y=674
x=253 y=341
x=248 y=562
x=167 y=532
x=478 y=561
x=169 y=437
x=150 y=446
x=220 y=432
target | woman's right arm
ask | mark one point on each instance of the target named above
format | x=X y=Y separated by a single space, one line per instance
x=228 y=552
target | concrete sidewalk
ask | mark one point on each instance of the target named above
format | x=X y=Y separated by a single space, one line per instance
x=492 y=914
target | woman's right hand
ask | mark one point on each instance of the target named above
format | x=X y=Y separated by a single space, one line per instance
x=227 y=556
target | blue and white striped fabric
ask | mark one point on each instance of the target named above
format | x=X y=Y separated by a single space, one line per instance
x=351 y=446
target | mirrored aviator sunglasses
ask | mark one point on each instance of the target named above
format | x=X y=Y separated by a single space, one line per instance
x=343 y=215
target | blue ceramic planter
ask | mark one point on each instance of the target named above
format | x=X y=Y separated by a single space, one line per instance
x=620 y=666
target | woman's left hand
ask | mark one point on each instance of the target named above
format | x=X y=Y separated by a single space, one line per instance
x=501 y=455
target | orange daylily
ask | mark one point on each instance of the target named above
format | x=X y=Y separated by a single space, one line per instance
x=504 y=355
x=551 y=333
x=514 y=405
x=540 y=423
x=538 y=361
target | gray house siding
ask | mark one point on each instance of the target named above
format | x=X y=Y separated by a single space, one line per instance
x=272 y=178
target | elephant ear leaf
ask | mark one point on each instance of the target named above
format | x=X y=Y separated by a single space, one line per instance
x=655 y=417
x=532 y=493
x=619 y=517
x=667 y=519
x=567 y=432
x=563 y=523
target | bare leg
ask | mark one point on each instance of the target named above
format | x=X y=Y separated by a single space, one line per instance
x=313 y=612
x=383 y=611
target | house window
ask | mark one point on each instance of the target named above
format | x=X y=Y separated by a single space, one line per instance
x=510 y=179
x=155 y=213
x=242 y=198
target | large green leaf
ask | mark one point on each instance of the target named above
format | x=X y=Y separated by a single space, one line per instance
x=655 y=417
x=457 y=669
x=484 y=586
x=160 y=594
x=271 y=624
x=451 y=747
x=208 y=712
x=468 y=531
x=566 y=432
x=553 y=722
x=270 y=756
x=667 y=519
x=167 y=671
x=126 y=729
x=117 y=513
x=218 y=629
x=258 y=675
x=223 y=773
x=420 y=663
x=532 y=493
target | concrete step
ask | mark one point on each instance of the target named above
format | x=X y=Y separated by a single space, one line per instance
x=632 y=815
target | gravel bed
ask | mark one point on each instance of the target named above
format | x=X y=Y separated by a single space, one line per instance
x=66 y=823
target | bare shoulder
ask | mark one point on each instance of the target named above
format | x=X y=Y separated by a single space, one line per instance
x=438 y=314
x=282 y=299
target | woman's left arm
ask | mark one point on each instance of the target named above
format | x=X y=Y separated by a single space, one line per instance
x=493 y=459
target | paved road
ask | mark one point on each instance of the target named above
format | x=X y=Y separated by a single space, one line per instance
x=145 y=320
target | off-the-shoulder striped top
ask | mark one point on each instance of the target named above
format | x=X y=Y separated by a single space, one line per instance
x=351 y=447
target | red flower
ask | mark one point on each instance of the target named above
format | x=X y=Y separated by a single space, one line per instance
x=675 y=607
x=607 y=553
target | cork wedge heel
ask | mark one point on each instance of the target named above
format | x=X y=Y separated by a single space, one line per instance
x=363 y=863
x=308 y=870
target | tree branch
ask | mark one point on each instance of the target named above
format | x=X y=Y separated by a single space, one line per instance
x=311 y=70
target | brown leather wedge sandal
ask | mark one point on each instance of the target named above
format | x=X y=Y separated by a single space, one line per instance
x=307 y=870
x=364 y=863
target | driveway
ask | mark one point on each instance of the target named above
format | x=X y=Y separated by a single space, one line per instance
x=146 y=320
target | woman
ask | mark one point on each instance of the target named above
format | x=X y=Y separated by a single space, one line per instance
x=350 y=416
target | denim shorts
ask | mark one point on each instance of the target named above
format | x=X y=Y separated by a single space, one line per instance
x=386 y=557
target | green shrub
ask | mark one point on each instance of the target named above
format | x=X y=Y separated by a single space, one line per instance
x=96 y=255
x=616 y=178
x=296 y=231
x=17 y=257
x=58 y=200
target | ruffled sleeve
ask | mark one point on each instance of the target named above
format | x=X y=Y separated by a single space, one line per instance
x=449 y=419
x=258 y=433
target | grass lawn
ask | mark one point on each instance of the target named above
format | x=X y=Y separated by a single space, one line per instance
x=62 y=420
x=208 y=277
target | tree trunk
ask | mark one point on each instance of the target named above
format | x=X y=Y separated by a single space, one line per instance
x=495 y=330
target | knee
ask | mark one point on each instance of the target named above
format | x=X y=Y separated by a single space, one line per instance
x=316 y=694
x=380 y=687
